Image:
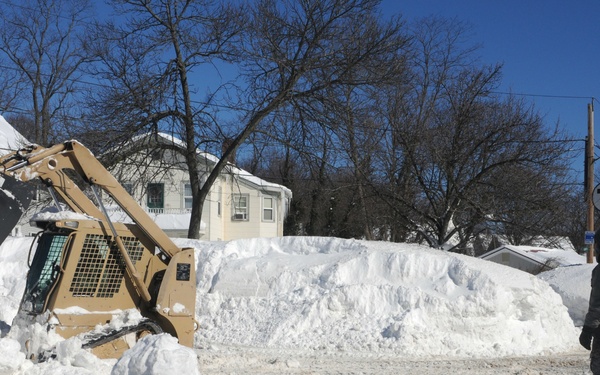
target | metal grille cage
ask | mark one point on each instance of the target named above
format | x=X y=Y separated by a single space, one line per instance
x=100 y=267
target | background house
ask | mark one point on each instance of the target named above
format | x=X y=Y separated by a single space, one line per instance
x=239 y=205
x=533 y=259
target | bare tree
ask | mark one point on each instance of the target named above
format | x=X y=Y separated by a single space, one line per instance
x=451 y=159
x=347 y=114
x=148 y=63
x=41 y=43
x=295 y=50
x=481 y=161
x=288 y=51
x=454 y=148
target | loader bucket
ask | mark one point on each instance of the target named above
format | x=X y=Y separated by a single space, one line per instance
x=15 y=197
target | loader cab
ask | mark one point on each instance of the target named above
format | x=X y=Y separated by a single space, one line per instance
x=47 y=263
x=77 y=264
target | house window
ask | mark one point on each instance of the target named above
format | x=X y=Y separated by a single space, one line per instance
x=187 y=196
x=268 y=209
x=156 y=197
x=240 y=207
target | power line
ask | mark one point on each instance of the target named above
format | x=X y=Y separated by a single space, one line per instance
x=544 y=95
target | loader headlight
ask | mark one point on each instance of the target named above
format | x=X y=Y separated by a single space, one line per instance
x=38 y=224
x=71 y=224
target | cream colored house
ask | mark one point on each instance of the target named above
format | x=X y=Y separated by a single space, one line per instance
x=239 y=204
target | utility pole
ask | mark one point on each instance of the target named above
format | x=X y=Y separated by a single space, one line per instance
x=589 y=179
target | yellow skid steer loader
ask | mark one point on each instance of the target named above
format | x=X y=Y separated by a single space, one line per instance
x=86 y=268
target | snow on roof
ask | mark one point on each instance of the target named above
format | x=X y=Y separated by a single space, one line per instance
x=542 y=255
x=553 y=242
x=10 y=139
x=237 y=172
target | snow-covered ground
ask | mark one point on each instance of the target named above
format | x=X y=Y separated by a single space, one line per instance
x=307 y=305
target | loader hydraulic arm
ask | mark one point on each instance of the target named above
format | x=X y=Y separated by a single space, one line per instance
x=51 y=166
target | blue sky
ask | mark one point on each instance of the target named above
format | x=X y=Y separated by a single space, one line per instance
x=549 y=50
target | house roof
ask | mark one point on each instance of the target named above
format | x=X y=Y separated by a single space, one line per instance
x=540 y=254
x=232 y=169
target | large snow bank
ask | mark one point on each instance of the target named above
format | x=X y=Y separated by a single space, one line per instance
x=332 y=294
x=328 y=294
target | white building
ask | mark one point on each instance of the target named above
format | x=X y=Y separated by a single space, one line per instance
x=239 y=204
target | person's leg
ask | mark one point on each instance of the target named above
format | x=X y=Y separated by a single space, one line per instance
x=595 y=356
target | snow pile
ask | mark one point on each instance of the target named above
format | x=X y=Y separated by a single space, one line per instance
x=13 y=268
x=70 y=360
x=573 y=284
x=70 y=357
x=12 y=358
x=157 y=354
x=328 y=294
x=33 y=335
x=332 y=294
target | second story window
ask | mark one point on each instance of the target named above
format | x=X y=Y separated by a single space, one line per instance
x=240 y=207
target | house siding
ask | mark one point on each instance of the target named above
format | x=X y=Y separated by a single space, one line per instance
x=254 y=226
x=214 y=232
